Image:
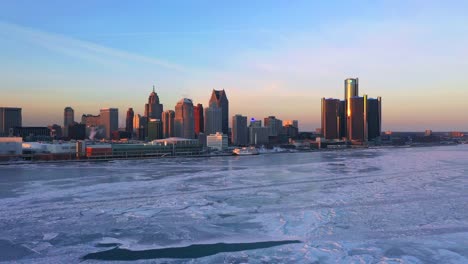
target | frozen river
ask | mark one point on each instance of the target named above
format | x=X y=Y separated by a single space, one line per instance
x=407 y=205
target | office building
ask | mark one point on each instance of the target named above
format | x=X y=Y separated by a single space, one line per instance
x=293 y=123
x=275 y=125
x=31 y=133
x=239 y=133
x=153 y=109
x=255 y=123
x=140 y=126
x=184 y=121
x=109 y=119
x=55 y=131
x=199 y=119
x=213 y=119
x=374 y=118
x=218 y=141
x=351 y=90
x=68 y=119
x=168 y=123
x=10 y=117
x=77 y=131
x=357 y=116
x=331 y=119
x=259 y=135
x=129 y=121
x=219 y=98
x=155 y=129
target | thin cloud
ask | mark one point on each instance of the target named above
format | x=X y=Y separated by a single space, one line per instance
x=81 y=49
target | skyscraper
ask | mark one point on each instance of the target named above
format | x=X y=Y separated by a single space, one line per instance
x=374 y=117
x=351 y=90
x=10 y=117
x=357 y=129
x=219 y=97
x=153 y=109
x=129 y=121
x=109 y=118
x=140 y=125
x=155 y=129
x=199 y=119
x=213 y=119
x=275 y=125
x=168 y=123
x=68 y=119
x=331 y=119
x=239 y=130
x=184 y=121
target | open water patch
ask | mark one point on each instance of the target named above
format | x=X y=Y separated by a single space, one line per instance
x=188 y=252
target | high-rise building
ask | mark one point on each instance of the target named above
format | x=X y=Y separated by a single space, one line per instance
x=293 y=123
x=77 y=131
x=374 y=117
x=68 y=119
x=255 y=123
x=218 y=141
x=219 y=97
x=275 y=125
x=140 y=125
x=168 y=123
x=153 y=109
x=239 y=130
x=129 y=121
x=184 y=121
x=10 y=117
x=155 y=129
x=331 y=118
x=213 y=119
x=357 y=129
x=351 y=90
x=259 y=135
x=109 y=118
x=199 y=119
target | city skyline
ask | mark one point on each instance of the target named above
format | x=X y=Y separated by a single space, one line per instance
x=272 y=59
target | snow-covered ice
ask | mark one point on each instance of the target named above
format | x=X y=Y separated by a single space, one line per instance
x=395 y=205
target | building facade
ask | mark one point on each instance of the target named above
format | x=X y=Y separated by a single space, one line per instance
x=357 y=129
x=275 y=125
x=10 y=117
x=219 y=98
x=129 y=121
x=218 y=141
x=240 y=133
x=199 y=119
x=109 y=118
x=259 y=135
x=68 y=119
x=155 y=129
x=184 y=121
x=213 y=119
x=331 y=118
x=168 y=123
x=374 y=118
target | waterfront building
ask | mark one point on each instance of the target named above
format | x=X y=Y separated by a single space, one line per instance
x=218 y=141
x=351 y=90
x=129 y=121
x=259 y=135
x=331 y=120
x=183 y=120
x=55 y=131
x=153 y=109
x=68 y=119
x=213 y=119
x=168 y=123
x=10 y=146
x=199 y=119
x=10 y=117
x=240 y=132
x=32 y=133
x=275 y=125
x=374 y=118
x=357 y=129
x=109 y=119
x=219 y=98
x=155 y=129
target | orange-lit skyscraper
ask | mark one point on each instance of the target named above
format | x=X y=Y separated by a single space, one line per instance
x=129 y=121
x=199 y=119
x=357 y=119
x=351 y=86
x=331 y=118
x=153 y=109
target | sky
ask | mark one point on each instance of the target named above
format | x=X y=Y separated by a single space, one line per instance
x=272 y=57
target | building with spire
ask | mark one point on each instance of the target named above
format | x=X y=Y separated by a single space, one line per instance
x=219 y=98
x=153 y=109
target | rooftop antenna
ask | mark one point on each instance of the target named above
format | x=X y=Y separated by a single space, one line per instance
x=153 y=88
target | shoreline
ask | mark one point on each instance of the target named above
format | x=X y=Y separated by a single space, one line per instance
x=28 y=162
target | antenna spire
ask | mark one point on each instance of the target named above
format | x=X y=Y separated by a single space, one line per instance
x=153 y=89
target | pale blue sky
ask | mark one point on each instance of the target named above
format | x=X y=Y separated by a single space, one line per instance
x=272 y=57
